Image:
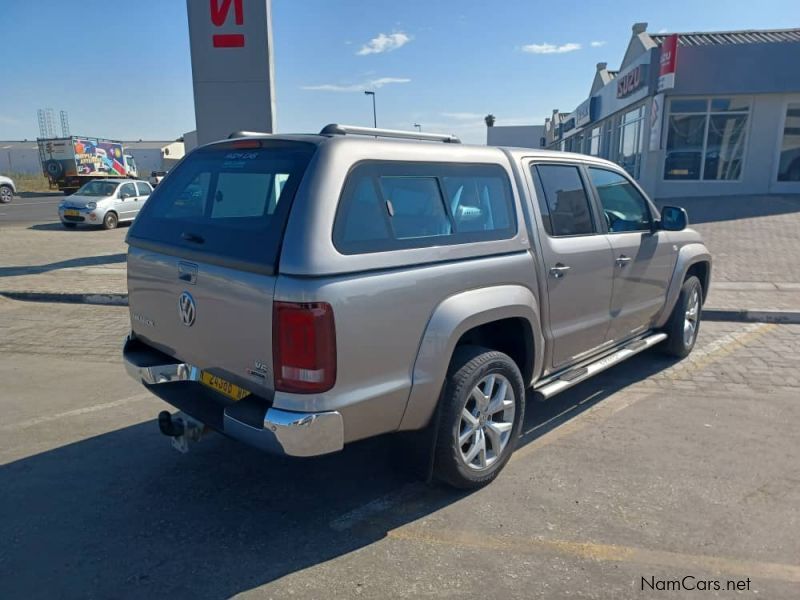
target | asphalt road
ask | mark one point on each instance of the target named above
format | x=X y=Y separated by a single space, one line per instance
x=653 y=470
x=31 y=209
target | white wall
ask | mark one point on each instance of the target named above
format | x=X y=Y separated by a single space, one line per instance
x=522 y=136
x=19 y=158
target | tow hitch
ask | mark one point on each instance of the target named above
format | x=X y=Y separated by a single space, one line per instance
x=182 y=428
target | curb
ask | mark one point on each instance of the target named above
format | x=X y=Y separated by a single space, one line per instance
x=68 y=298
x=739 y=315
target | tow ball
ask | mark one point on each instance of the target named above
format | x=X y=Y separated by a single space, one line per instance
x=181 y=428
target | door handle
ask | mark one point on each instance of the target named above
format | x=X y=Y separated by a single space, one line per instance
x=559 y=270
x=623 y=260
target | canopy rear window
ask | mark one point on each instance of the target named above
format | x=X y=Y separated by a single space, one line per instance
x=228 y=202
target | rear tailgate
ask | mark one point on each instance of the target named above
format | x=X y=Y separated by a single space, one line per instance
x=203 y=256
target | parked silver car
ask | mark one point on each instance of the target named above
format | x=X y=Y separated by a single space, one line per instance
x=105 y=202
x=301 y=292
x=7 y=189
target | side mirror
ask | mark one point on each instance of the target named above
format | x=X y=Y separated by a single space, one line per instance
x=674 y=218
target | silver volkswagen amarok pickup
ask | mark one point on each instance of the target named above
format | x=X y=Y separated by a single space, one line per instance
x=300 y=292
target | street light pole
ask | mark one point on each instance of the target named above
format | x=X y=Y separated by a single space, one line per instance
x=418 y=126
x=374 y=112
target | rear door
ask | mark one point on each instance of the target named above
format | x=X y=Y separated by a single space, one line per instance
x=203 y=255
x=143 y=193
x=643 y=257
x=578 y=262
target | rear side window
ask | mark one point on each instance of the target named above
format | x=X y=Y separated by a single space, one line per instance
x=127 y=190
x=388 y=206
x=226 y=200
x=563 y=200
x=144 y=189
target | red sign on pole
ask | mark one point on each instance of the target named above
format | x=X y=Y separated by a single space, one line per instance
x=668 y=62
x=219 y=14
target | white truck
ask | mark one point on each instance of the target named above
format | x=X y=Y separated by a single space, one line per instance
x=70 y=162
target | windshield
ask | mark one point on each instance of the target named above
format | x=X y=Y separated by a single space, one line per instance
x=227 y=201
x=98 y=188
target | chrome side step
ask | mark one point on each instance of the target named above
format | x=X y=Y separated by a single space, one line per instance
x=575 y=376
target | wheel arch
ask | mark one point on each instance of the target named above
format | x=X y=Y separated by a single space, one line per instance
x=693 y=259
x=481 y=316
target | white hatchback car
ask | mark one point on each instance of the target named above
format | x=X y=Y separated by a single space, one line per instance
x=105 y=202
x=7 y=190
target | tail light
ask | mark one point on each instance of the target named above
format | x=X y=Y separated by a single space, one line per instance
x=303 y=347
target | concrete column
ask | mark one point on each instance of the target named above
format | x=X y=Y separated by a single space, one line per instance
x=232 y=68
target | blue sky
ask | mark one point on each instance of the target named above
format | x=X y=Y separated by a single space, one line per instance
x=122 y=70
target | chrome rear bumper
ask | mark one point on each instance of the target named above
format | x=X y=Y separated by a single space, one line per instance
x=275 y=431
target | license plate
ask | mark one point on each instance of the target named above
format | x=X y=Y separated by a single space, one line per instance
x=226 y=388
x=72 y=213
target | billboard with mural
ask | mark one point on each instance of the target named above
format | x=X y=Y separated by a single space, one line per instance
x=81 y=156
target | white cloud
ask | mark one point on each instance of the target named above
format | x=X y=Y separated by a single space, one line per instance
x=597 y=44
x=463 y=116
x=357 y=87
x=384 y=43
x=551 y=48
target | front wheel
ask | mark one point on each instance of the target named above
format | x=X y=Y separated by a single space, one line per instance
x=110 y=221
x=6 y=194
x=482 y=409
x=684 y=322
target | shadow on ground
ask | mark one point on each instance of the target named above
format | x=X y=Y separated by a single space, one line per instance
x=57 y=226
x=730 y=208
x=85 y=261
x=40 y=194
x=122 y=515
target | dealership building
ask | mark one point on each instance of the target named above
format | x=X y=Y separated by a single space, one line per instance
x=695 y=114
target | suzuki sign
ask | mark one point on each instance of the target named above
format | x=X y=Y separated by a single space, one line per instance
x=232 y=72
x=630 y=81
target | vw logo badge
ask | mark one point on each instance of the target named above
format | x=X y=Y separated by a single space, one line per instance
x=186 y=309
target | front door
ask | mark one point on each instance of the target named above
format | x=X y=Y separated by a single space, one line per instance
x=643 y=256
x=127 y=201
x=579 y=264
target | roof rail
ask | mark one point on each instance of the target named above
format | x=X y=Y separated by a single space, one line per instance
x=241 y=134
x=336 y=129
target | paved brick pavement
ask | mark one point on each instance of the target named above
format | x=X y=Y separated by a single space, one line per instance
x=63 y=330
x=49 y=258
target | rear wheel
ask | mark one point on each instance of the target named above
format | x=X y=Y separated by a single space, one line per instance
x=6 y=194
x=110 y=221
x=684 y=322
x=481 y=416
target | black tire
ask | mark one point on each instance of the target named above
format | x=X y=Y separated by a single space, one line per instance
x=111 y=220
x=468 y=368
x=54 y=168
x=6 y=194
x=676 y=343
x=69 y=225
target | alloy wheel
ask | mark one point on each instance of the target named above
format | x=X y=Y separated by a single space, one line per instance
x=486 y=422
x=691 y=318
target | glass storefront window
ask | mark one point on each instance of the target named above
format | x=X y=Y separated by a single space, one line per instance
x=725 y=147
x=684 y=146
x=706 y=139
x=789 y=163
x=629 y=155
x=594 y=142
